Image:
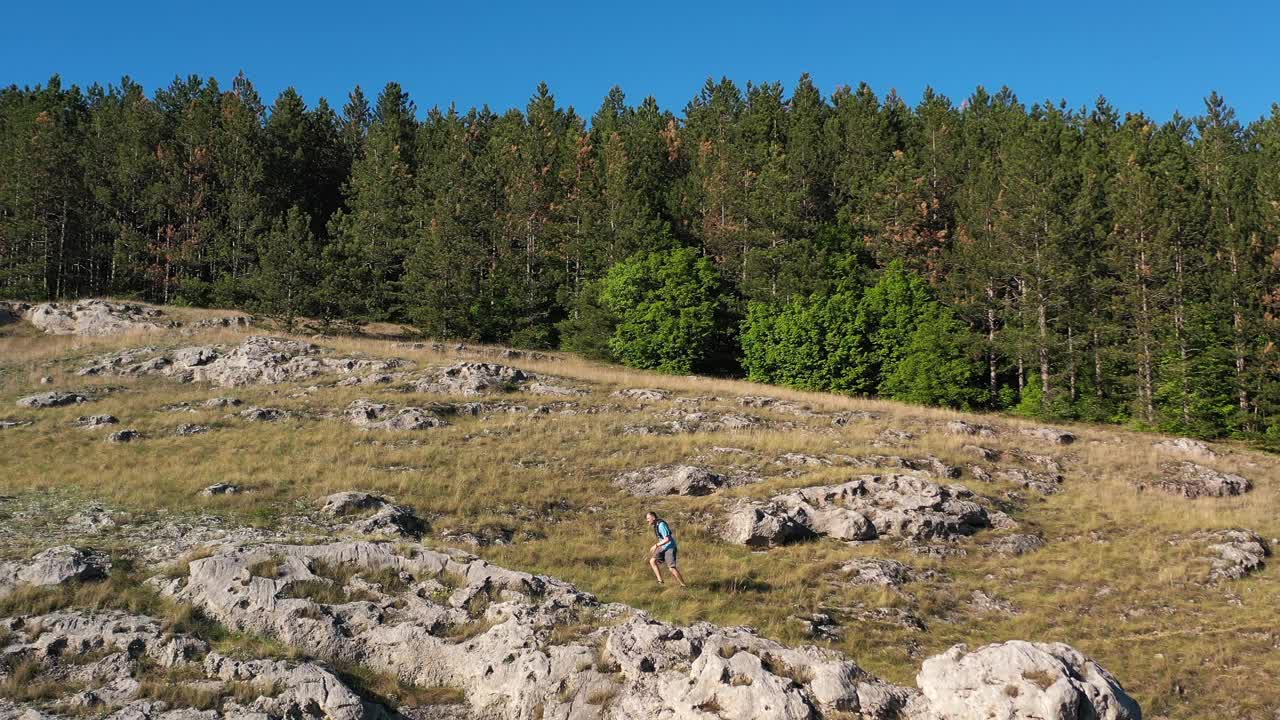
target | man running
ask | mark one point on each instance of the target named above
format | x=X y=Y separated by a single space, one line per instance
x=664 y=551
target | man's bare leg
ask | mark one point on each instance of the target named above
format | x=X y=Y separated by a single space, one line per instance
x=653 y=563
x=675 y=572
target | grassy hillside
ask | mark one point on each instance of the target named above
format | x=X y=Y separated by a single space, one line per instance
x=1118 y=578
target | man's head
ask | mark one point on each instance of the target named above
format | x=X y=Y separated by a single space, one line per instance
x=651 y=518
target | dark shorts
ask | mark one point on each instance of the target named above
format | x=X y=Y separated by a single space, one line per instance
x=667 y=557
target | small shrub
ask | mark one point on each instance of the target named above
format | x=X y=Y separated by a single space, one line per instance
x=465 y=631
x=269 y=568
x=1039 y=678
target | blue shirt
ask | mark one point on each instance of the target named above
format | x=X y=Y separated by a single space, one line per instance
x=663 y=531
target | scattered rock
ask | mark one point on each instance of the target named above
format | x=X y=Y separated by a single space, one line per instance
x=51 y=399
x=877 y=571
x=377 y=514
x=261 y=414
x=366 y=414
x=1018 y=679
x=697 y=422
x=220 y=403
x=89 y=422
x=960 y=427
x=1186 y=446
x=670 y=480
x=894 y=437
x=1192 y=480
x=981 y=602
x=794 y=458
x=55 y=566
x=1049 y=435
x=1045 y=483
x=540 y=387
x=124 y=436
x=1234 y=553
x=844 y=417
x=645 y=394
x=189 y=429
x=46 y=380
x=221 y=489
x=1016 y=544
x=867 y=508
x=259 y=360
x=982 y=453
x=474 y=378
x=6 y=424
x=819 y=625
x=94 y=318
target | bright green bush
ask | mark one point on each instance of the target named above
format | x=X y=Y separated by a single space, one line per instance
x=671 y=312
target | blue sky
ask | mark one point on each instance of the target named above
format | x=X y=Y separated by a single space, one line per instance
x=1153 y=57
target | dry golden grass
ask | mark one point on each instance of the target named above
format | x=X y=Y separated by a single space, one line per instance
x=1110 y=581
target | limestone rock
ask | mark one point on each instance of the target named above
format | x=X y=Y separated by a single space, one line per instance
x=876 y=571
x=670 y=480
x=219 y=403
x=1018 y=679
x=761 y=525
x=94 y=318
x=375 y=515
x=258 y=360
x=1045 y=483
x=474 y=378
x=51 y=399
x=368 y=415
x=1186 y=446
x=189 y=429
x=107 y=650
x=89 y=422
x=127 y=435
x=1016 y=544
x=491 y=636
x=221 y=489
x=7 y=424
x=960 y=427
x=261 y=414
x=54 y=566
x=1049 y=435
x=644 y=394
x=872 y=506
x=1234 y=553
x=982 y=453
x=1192 y=480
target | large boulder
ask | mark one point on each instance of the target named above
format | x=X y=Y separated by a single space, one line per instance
x=51 y=399
x=55 y=566
x=872 y=506
x=369 y=514
x=761 y=525
x=1186 y=446
x=1193 y=480
x=1234 y=553
x=474 y=378
x=368 y=415
x=670 y=480
x=1018 y=679
x=95 y=318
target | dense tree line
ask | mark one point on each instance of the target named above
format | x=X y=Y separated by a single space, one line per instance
x=1070 y=263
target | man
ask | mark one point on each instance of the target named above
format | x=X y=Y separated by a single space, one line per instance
x=664 y=551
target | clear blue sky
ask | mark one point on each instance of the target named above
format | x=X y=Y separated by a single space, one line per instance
x=1154 y=57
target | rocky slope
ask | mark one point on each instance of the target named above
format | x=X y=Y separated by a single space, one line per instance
x=314 y=526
